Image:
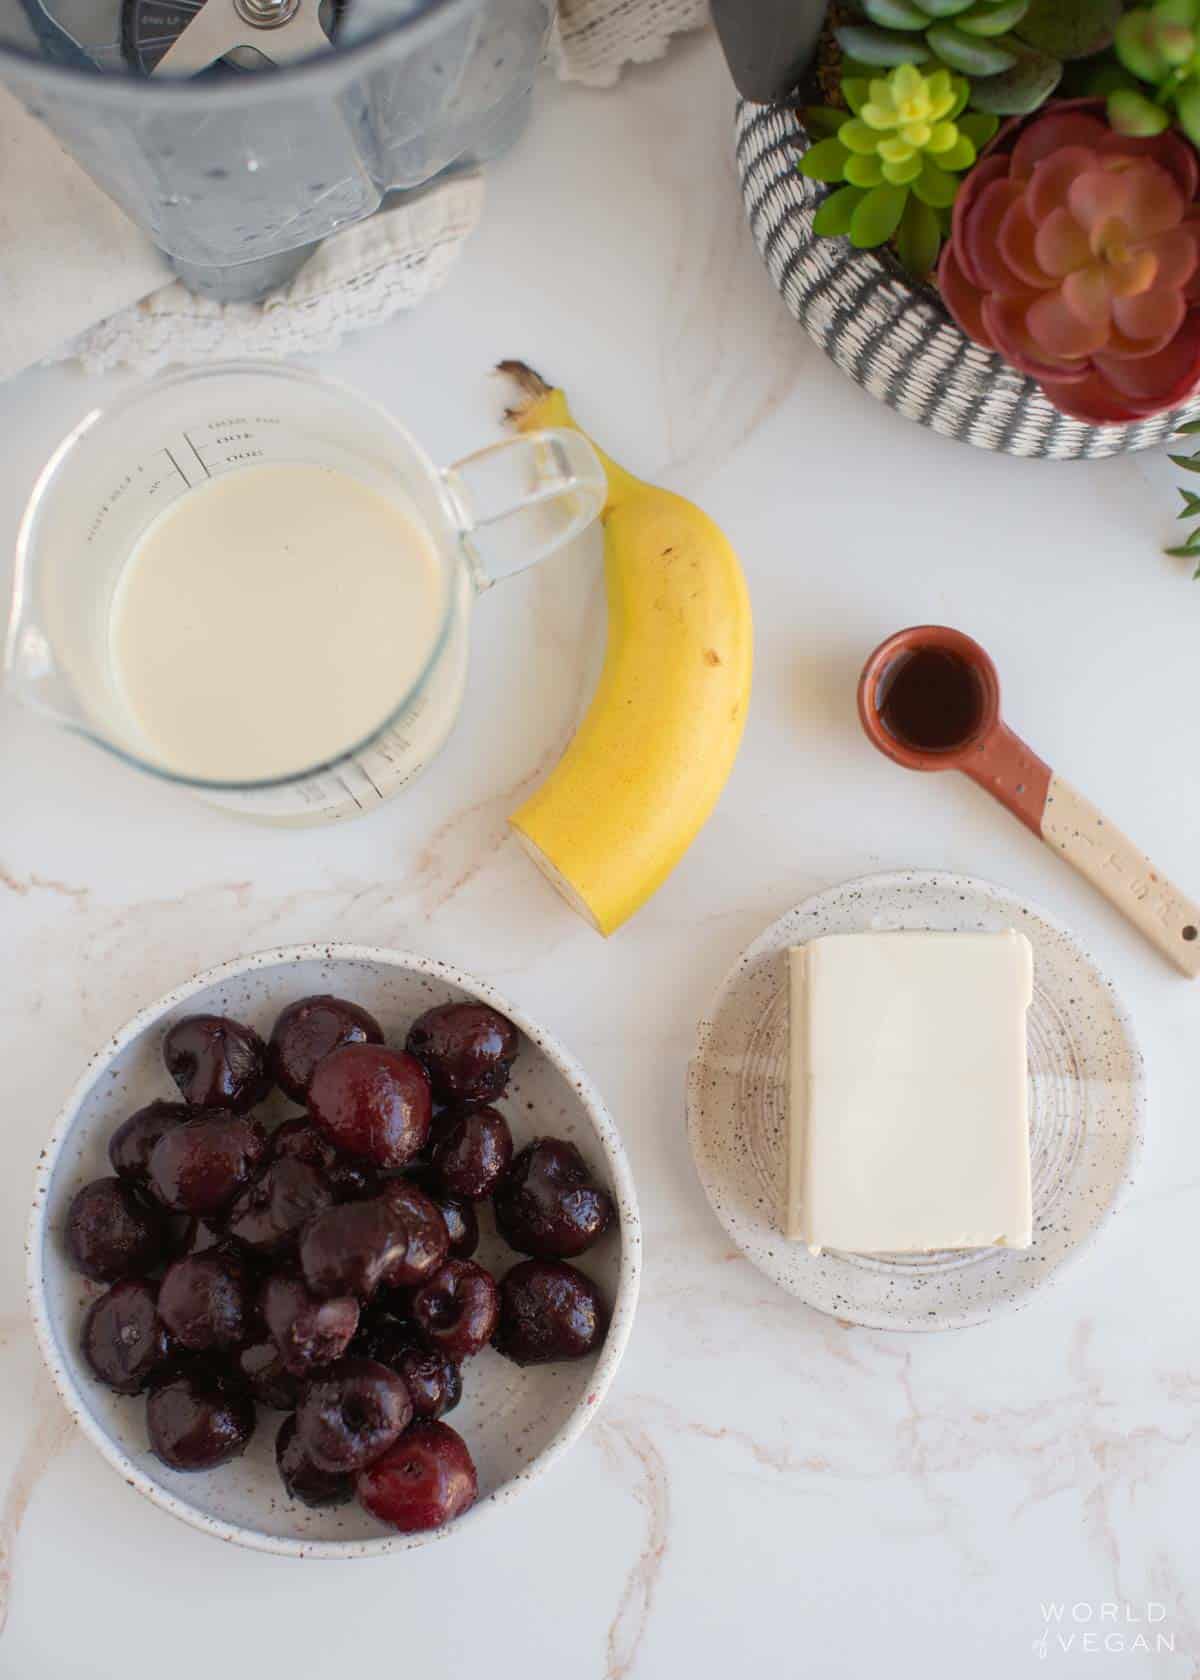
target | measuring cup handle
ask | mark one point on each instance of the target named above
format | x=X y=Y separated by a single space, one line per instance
x=520 y=500
x=1012 y=773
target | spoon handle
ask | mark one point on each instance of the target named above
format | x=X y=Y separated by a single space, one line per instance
x=1012 y=773
x=1072 y=826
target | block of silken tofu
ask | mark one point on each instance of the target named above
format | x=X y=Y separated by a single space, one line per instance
x=909 y=1125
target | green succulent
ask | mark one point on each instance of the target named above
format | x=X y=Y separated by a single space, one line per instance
x=1158 y=49
x=898 y=153
x=977 y=17
x=1011 y=51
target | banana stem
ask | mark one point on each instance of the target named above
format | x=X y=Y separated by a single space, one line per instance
x=541 y=405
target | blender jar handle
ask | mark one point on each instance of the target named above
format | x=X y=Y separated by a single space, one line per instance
x=518 y=501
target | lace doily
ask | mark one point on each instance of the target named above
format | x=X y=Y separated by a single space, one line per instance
x=359 y=277
x=597 y=38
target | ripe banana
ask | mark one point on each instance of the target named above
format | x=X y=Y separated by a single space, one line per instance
x=648 y=762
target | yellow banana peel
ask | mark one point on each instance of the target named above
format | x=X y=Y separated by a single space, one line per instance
x=649 y=760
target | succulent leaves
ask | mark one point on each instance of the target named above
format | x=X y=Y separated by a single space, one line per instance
x=1012 y=51
x=900 y=152
x=1158 y=46
x=1075 y=254
x=1189 y=548
x=1068 y=242
x=1070 y=29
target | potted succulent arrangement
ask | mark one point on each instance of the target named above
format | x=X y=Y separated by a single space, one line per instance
x=988 y=213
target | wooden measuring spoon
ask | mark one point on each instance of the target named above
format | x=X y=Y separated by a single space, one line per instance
x=929 y=698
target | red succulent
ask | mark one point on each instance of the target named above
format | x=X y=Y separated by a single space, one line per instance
x=1075 y=254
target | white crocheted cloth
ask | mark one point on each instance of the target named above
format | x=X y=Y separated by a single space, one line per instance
x=359 y=277
x=363 y=275
x=597 y=38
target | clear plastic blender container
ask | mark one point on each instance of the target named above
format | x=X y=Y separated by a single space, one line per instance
x=237 y=173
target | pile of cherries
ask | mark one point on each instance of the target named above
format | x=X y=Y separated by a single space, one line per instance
x=325 y=1269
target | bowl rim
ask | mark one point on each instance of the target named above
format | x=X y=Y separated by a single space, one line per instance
x=624 y=1304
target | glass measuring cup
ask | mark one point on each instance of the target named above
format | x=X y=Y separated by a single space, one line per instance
x=489 y=516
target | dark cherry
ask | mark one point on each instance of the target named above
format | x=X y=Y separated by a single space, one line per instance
x=206 y=1301
x=130 y=1145
x=261 y=1368
x=462 y=1223
x=198 y=1418
x=426 y=1241
x=475 y=1153
x=424 y=1481
x=111 y=1233
x=308 y=1332
x=348 y=1178
x=445 y=1118
x=469 y=1049
x=548 y=1205
x=268 y=1214
x=433 y=1379
x=255 y=1266
x=182 y=1231
x=549 y=1311
x=217 y=1063
x=347 y=1249
x=441 y=1120
x=305 y=1034
x=457 y=1308
x=351 y=1414
x=124 y=1341
x=372 y=1102
x=199 y=1167
x=300 y=1475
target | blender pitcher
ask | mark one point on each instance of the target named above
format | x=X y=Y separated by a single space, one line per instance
x=236 y=166
x=487 y=517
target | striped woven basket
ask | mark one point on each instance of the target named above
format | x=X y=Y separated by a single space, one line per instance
x=893 y=336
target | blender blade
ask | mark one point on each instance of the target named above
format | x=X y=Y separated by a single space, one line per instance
x=277 y=30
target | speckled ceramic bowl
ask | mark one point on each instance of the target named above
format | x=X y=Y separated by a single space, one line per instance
x=516 y=1422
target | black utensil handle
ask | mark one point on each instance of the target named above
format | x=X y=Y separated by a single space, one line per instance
x=768 y=43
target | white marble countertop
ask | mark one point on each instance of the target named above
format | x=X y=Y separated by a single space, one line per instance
x=763 y=1486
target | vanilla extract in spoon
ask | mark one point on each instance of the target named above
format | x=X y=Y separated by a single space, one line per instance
x=931 y=699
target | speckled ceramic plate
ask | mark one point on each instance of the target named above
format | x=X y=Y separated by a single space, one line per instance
x=1086 y=1101
x=516 y=1422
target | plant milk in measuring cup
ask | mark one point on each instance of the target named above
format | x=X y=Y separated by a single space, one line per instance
x=252 y=582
